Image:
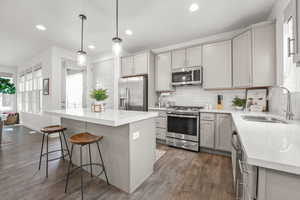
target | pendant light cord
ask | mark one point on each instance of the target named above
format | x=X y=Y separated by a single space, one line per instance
x=117 y=18
x=82 y=18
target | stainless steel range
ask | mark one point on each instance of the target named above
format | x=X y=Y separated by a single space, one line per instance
x=183 y=129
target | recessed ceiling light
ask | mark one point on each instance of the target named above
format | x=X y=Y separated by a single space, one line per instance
x=194 y=7
x=128 y=32
x=91 y=46
x=41 y=27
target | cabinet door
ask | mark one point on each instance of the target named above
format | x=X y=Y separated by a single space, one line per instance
x=140 y=62
x=217 y=65
x=223 y=132
x=242 y=60
x=178 y=59
x=163 y=72
x=207 y=134
x=194 y=56
x=263 y=44
x=127 y=66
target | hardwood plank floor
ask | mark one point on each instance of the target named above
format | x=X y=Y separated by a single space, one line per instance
x=178 y=175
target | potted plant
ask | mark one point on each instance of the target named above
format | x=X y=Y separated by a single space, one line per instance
x=99 y=95
x=239 y=103
x=6 y=87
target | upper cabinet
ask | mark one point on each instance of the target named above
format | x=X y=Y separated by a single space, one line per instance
x=134 y=65
x=194 y=56
x=178 y=58
x=188 y=57
x=254 y=57
x=217 y=65
x=264 y=62
x=163 y=72
x=242 y=60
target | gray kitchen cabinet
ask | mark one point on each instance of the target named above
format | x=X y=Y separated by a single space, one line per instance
x=127 y=66
x=263 y=48
x=194 y=56
x=163 y=72
x=223 y=132
x=242 y=60
x=178 y=59
x=207 y=134
x=217 y=65
x=161 y=125
x=140 y=63
x=134 y=65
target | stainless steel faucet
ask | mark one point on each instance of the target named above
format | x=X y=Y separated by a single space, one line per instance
x=289 y=114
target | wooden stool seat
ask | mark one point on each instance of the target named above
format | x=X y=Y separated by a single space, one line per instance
x=52 y=129
x=84 y=138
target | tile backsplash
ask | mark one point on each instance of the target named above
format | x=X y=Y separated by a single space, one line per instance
x=196 y=96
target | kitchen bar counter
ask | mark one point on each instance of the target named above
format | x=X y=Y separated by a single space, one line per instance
x=128 y=146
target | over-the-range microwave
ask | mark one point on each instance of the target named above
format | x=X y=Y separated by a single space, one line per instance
x=187 y=76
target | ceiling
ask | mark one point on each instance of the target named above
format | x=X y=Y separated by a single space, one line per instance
x=155 y=23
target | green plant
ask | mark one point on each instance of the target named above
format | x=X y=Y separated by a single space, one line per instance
x=6 y=87
x=239 y=102
x=99 y=94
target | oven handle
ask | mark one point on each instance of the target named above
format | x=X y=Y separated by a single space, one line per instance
x=183 y=116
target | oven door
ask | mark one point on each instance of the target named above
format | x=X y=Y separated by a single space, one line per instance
x=185 y=127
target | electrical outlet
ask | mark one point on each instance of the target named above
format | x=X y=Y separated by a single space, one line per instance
x=136 y=135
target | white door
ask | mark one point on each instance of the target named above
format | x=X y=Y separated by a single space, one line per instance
x=242 y=60
x=263 y=40
x=178 y=59
x=163 y=72
x=223 y=132
x=140 y=63
x=194 y=56
x=127 y=66
x=207 y=134
x=217 y=65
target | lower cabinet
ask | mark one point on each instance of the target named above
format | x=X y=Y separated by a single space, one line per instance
x=161 y=125
x=215 y=131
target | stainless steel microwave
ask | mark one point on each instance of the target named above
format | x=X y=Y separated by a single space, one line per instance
x=187 y=76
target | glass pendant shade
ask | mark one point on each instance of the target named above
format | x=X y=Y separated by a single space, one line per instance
x=117 y=46
x=81 y=58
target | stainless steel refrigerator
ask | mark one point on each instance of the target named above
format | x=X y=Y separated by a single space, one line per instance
x=133 y=93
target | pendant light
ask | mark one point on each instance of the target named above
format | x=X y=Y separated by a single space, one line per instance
x=81 y=55
x=117 y=42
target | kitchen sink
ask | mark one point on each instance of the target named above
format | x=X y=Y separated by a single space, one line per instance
x=263 y=119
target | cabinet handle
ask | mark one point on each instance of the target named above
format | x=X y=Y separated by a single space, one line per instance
x=291 y=50
x=243 y=168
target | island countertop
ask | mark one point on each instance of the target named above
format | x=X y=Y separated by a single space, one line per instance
x=109 y=117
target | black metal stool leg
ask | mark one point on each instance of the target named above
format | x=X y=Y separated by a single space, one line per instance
x=102 y=163
x=66 y=143
x=81 y=173
x=61 y=146
x=47 y=156
x=69 y=166
x=91 y=160
x=41 y=155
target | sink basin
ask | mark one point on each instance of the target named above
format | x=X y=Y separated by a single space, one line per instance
x=263 y=119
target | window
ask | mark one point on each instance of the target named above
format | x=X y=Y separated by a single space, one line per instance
x=7 y=100
x=74 y=89
x=30 y=91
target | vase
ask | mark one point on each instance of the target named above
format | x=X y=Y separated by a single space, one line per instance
x=98 y=106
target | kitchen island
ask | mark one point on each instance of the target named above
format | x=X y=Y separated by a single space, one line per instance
x=128 y=146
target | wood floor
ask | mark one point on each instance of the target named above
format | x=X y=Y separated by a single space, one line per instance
x=178 y=175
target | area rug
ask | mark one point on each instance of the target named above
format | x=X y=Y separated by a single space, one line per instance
x=159 y=154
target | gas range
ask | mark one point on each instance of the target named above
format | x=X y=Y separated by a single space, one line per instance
x=184 y=127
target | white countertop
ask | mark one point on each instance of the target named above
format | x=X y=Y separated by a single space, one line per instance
x=109 y=117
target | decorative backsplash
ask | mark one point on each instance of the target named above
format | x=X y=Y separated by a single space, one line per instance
x=196 y=96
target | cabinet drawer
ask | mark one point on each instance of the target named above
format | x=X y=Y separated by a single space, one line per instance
x=223 y=116
x=162 y=114
x=207 y=116
x=161 y=133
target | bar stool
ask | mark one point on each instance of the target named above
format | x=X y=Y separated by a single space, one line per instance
x=51 y=130
x=84 y=139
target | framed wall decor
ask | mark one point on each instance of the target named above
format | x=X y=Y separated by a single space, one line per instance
x=256 y=100
x=46 y=86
